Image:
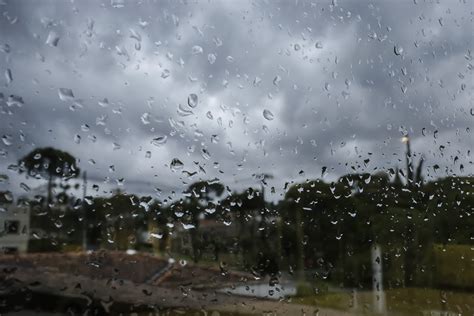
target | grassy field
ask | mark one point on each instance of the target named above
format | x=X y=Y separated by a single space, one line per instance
x=403 y=301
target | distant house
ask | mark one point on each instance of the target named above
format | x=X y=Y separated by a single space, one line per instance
x=14 y=229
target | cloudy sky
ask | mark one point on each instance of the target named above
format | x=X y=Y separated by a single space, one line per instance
x=234 y=88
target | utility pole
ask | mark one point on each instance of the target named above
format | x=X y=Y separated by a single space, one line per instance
x=408 y=159
x=377 y=279
x=84 y=211
x=410 y=233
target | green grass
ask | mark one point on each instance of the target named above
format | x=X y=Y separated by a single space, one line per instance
x=405 y=301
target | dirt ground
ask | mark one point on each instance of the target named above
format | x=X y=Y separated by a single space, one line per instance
x=117 y=278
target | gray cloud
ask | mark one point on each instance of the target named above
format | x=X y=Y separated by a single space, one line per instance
x=335 y=104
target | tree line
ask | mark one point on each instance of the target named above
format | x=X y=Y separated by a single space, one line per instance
x=318 y=231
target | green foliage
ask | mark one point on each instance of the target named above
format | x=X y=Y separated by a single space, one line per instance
x=50 y=162
x=454 y=266
x=42 y=245
x=304 y=289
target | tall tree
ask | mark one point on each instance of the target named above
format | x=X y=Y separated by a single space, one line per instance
x=49 y=163
x=199 y=195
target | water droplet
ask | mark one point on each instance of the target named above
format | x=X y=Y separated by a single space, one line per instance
x=318 y=45
x=65 y=94
x=25 y=187
x=211 y=58
x=205 y=154
x=192 y=100
x=176 y=164
x=77 y=139
x=5 y=48
x=7 y=140
x=145 y=118
x=165 y=74
x=8 y=76
x=104 y=103
x=268 y=115
x=135 y=35
x=276 y=80
x=398 y=50
x=14 y=100
x=117 y=3
x=257 y=81
x=184 y=112
x=52 y=39
x=297 y=47
x=156 y=235
x=159 y=141
x=188 y=226
x=196 y=50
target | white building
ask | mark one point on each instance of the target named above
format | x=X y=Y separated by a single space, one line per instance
x=14 y=229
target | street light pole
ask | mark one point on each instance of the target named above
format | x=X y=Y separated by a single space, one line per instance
x=84 y=211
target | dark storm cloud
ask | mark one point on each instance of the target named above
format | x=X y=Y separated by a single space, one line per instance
x=335 y=103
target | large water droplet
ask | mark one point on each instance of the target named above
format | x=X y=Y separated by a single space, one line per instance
x=211 y=58
x=398 y=50
x=276 y=80
x=159 y=141
x=188 y=226
x=184 y=112
x=104 y=103
x=165 y=74
x=192 y=100
x=8 y=76
x=196 y=50
x=156 y=235
x=145 y=118
x=14 y=100
x=7 y=140
x=176 y=164
x=65 y=94
x=52 y=39
x=268 y=115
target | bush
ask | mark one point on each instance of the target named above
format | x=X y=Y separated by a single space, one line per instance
x=42 y=245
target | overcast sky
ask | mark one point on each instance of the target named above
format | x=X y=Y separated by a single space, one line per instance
x=283 y=87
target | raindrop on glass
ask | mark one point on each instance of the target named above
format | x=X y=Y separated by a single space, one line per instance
x=211 y=58
x=159 y=141
x=196 y=50
x=268 y=115
x=398 y=50
x=8 y=76
x=52 y=39
x=192 y=100
x=176 y=164
x=65 y=94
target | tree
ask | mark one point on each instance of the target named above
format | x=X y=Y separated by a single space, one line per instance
x=49 y=163
x=200 y=194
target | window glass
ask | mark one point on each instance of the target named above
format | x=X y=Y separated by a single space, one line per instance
x=221 y=157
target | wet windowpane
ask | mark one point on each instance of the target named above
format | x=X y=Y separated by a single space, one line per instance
x=259 y=157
